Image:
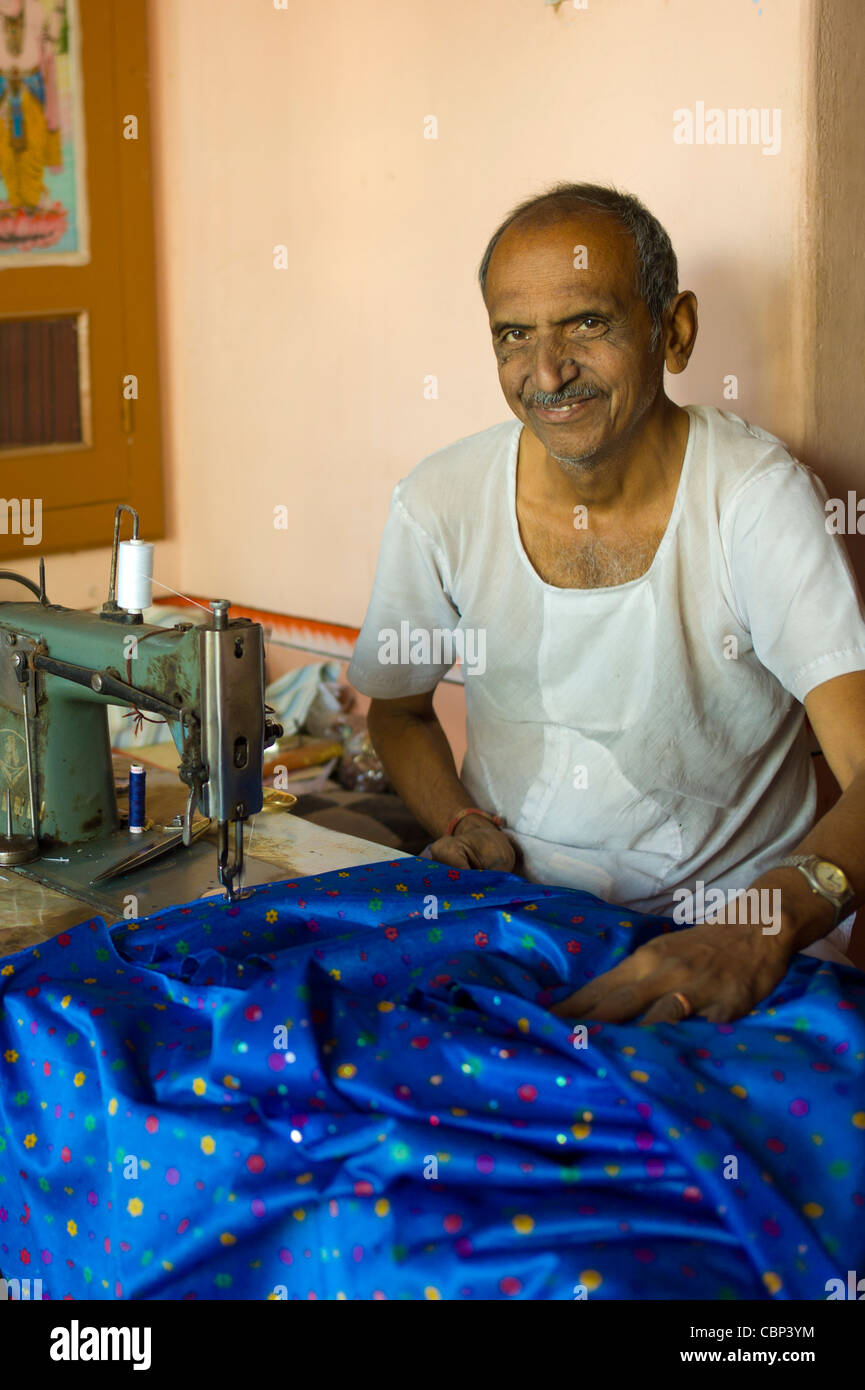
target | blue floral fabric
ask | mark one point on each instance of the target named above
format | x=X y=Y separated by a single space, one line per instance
x=351 y=1086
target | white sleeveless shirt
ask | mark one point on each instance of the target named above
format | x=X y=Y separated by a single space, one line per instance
x=645 y=736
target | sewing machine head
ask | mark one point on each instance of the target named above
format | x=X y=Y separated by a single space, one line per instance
x=59 y=670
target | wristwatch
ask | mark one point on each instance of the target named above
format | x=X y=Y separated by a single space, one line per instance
x=825 y=879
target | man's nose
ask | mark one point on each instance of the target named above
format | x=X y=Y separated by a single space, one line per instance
x=553 y=367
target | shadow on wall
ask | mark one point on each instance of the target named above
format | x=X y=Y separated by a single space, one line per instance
x=746 y=334
x=737 y=364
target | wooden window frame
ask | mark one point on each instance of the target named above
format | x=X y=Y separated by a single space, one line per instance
x=80 y=484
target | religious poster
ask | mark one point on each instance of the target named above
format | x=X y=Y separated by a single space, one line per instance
x=43 y=210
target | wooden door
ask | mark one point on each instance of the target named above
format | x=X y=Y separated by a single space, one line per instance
x=79 y=398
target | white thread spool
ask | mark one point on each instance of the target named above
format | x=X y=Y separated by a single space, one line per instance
x=135 y=575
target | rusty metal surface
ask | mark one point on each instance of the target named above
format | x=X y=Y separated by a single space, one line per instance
x=10 y=688
x=180 y=877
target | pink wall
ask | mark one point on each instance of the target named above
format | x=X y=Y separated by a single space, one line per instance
x=304 y=127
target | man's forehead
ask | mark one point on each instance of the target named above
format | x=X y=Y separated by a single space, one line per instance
x=580 y=253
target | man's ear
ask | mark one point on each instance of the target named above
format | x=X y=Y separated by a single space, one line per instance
x=680 y=325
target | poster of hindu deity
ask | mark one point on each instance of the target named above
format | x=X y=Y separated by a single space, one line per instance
x=43 y=208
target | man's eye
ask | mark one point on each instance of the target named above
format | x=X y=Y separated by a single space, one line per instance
x=512 y=334
x=590 y=325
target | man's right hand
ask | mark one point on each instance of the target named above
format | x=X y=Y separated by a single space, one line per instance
x=475 y=844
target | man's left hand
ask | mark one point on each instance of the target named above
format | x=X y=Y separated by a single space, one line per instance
x=722 y=970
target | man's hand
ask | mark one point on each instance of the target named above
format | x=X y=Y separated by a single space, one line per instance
x=475 y=844
x=722 y=970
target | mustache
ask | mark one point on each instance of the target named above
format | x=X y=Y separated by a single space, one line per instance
x=548 y=399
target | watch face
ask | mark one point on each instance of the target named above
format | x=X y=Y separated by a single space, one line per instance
x=831 y=878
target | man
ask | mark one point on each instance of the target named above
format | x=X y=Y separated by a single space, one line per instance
x=658 y=596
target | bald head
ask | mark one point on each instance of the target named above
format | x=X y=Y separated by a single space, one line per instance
x=655 y=260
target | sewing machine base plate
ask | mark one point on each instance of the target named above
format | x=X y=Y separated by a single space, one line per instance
x=178 y=877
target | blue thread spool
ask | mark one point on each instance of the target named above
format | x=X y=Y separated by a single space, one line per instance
x=136 y=799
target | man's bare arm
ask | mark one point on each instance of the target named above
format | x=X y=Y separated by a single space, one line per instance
x=419 y=764
x=417 y=758
x=723 y=971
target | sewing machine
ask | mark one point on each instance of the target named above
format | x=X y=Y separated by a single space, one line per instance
x=59 y=670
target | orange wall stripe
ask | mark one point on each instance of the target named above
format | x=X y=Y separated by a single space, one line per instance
x=279 y=624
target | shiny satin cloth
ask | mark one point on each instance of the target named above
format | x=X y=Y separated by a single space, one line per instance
x=351 y=1086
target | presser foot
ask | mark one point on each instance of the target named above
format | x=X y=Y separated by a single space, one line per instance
x=230 y=872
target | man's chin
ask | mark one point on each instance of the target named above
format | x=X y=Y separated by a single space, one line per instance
x=574 y=452
x=575 y=457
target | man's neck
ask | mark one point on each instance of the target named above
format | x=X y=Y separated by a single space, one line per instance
x=636 y=473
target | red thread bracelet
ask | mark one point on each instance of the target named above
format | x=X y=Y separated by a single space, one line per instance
x=472 y=811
